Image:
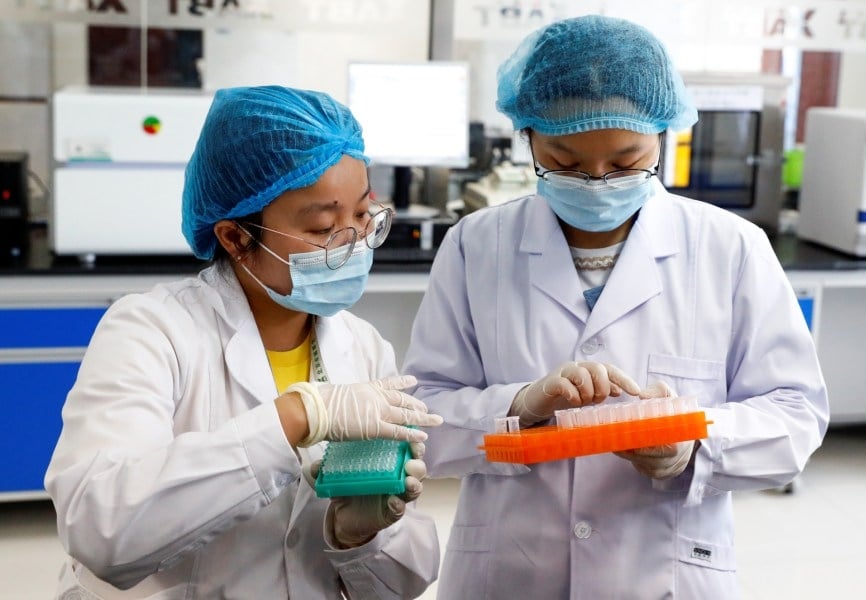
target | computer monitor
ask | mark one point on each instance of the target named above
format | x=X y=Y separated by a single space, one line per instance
x=413 y=115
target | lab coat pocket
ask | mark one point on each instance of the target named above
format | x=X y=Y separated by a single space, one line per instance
x=704 y=566
x=704 y=554
x=704 y=379
x=467 y=559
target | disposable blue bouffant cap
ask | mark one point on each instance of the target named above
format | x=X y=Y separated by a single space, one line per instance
x=590 y=73
x=257 y=143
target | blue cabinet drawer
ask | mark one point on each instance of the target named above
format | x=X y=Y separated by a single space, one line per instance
x=48 y=327
x=31 y=399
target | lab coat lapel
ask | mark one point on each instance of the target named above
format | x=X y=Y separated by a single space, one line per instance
x=636 y=278
x=245 y=355
x=551 y=268
x=248 y=364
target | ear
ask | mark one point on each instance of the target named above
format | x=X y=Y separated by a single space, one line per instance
x=231 y=238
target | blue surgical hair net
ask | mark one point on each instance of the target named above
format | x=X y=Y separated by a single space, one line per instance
x=255 y=144
x=590 y=73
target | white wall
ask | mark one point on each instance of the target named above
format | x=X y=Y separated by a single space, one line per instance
x=852 y=81
x=69 y=54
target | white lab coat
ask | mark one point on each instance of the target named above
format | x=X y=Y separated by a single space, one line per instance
x=173 y=475
x=697 y=299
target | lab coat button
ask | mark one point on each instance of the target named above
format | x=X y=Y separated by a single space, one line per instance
x=582 y=530
x=590 y=347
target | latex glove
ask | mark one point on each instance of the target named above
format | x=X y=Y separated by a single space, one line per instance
x=362 y=411
x=660 y=462
x=570 y=385
x=355 y=520
x=665 y=461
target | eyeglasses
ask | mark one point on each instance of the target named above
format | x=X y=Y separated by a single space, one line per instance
x=340 y=244
x=618 y=178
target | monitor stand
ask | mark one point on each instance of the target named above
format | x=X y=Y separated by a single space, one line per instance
x=400 y=198
x=402 y=188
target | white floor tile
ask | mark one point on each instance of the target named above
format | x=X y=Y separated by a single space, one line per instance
x=30 y=553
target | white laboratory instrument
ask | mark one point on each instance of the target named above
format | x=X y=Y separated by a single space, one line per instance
x=505 y=182
x=833 y=189
x=120 y=156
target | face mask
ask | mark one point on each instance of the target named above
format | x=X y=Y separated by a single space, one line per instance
x=317 y=289
x=594 y=205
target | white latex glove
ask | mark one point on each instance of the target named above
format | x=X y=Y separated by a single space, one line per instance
x=362 y=411
x=570 y=385
x=665 y=461
x=355 y=520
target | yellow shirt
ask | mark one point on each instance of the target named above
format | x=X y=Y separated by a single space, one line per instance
x=290 y=366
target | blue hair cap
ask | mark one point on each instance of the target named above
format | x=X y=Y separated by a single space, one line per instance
x=257 y=143
x=590 y=73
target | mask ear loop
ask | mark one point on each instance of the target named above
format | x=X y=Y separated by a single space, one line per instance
x=239 y=258
x=251 y=274
x=263 y=247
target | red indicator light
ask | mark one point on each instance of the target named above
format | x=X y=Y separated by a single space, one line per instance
x=6 y=194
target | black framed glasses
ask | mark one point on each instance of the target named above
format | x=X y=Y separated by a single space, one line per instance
x=618 y=178
x=340 y=244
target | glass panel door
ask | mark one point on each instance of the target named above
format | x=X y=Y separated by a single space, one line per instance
x=716 y=161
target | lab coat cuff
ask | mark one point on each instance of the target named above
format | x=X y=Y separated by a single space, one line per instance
x=708 y=454
x=452 y=450
x=271 y=457
x=499 y=405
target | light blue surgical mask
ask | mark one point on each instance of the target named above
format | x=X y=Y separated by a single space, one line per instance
x=594 y=205
x=318 y=289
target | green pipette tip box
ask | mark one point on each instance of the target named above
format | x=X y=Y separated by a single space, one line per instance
x=363 y=468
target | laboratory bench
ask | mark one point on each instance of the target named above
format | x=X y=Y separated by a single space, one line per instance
x=50 y=305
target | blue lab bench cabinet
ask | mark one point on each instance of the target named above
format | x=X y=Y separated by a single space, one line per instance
x=40 y=352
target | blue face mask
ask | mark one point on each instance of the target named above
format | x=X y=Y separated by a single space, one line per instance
x=317 y=289
x=593 y=205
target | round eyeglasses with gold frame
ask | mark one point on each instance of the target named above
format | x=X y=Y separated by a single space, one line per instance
x=340 y=244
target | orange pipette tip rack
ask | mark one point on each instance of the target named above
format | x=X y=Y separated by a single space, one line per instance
x=592 y=433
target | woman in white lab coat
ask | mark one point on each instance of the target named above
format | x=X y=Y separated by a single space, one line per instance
x=603 y=284
x=191 y=436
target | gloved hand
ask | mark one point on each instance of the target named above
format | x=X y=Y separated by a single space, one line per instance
x=355 y=520
x=362 y=411
x=660 y=462
x=570 y=385
x=665 y=461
